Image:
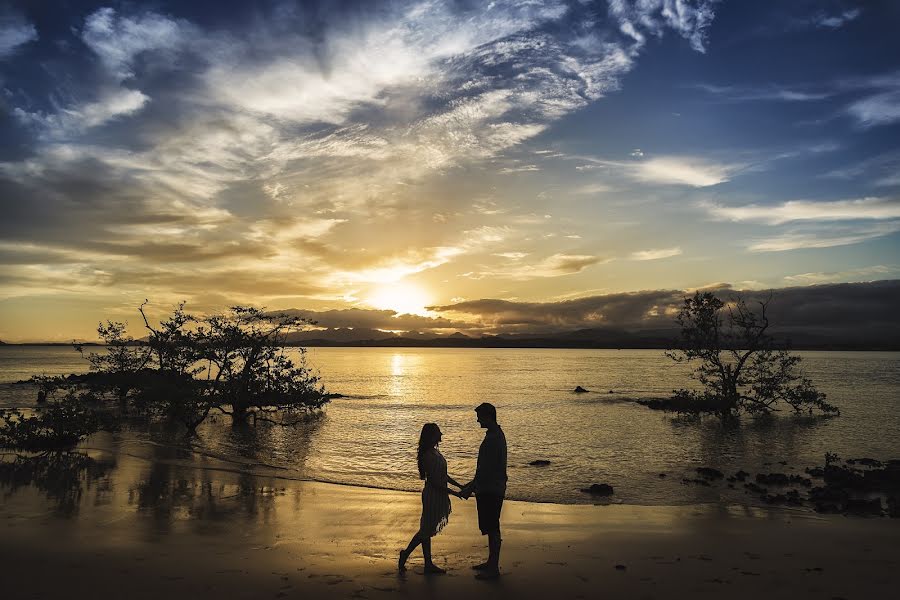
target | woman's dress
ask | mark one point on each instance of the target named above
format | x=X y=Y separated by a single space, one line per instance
x=435 y=499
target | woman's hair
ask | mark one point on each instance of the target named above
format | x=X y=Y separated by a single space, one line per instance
x=427 y=440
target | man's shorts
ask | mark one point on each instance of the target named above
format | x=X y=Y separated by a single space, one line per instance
x=489 y=507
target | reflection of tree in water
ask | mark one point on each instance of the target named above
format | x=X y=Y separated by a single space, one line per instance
x=62 y=476
x=184 y=485
x=754 y=441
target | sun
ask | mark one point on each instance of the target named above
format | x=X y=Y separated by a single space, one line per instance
x=401 y=297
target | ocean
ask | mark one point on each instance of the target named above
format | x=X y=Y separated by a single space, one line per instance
x=369 y=436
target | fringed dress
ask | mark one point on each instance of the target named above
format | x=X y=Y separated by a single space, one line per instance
x=435 y=499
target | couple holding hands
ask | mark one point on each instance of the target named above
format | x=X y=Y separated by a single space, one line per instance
x=489 y=487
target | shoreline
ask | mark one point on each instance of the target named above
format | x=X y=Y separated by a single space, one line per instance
x=183 y=532
x=474 y=345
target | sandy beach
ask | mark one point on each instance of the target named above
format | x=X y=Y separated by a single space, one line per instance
x=187 y=532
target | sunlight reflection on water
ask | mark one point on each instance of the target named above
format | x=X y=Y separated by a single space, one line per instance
x=369 y=437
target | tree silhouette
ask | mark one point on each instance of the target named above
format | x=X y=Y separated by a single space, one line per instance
x=740 y=368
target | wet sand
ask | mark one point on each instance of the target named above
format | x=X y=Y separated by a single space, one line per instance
x=185 y=532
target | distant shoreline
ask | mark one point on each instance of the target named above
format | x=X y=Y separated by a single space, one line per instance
x=548 y=344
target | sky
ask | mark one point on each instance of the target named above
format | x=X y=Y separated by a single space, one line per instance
x=427 y=165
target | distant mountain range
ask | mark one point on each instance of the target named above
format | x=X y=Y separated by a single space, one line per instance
x=799 y=339
x=581 y=338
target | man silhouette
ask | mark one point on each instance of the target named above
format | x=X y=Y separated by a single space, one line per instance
x=489 y=487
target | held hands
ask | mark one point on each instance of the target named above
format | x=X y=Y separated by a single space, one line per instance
x=465 y=492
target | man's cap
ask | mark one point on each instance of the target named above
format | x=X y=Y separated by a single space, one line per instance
x=488 y=409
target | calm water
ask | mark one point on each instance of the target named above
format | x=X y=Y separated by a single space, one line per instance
x=369 y=437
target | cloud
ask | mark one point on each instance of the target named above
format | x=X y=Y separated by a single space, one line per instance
x=15 y=31
x=690 y=19
x=849 y=275
x=882 y=170
x=809 y=210
x=693 y=172
x=864 y=313
x=668 y=170
x=656 y=254
x=77 y=118
x=174 y=150
x=556 y=265
x=733 y=93
x=360 y=318
x=520 y=169
x=880 y=109
x=834 y=21
x=119 y=40
x=823 y=238
x=619 y=310
x=393 y=268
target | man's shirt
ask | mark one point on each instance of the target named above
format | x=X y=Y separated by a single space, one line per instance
x=490 y=473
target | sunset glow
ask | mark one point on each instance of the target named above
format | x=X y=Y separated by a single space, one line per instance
x=401 y=297
x=321 y=156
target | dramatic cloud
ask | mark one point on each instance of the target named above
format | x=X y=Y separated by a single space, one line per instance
x=613 y=310
x=327 y=154
x=857 y=312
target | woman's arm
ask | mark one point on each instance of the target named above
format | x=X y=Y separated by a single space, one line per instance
x=452 y=481
x=442 y=489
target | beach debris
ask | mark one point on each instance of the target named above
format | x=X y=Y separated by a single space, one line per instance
x=791 y=497
x=800 y=480
x=815 y=471
x=772 y=478
x=702 y=482
x=579 y=390
x=709 y=473
x=866 y=462
x=893 y=507
x=863 y=506
x=599 y=489
x=661 y=475
x=752 y=487
x=621 y=567
x=739 y=476
x=539 y=463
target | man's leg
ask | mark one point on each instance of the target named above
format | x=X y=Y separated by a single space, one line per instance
x=494 y=542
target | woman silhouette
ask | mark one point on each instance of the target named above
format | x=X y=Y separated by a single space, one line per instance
x=435 y=497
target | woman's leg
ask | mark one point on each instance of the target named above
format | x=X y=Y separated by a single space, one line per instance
x=404 y=554
x=426 y=552
x=430 y=567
